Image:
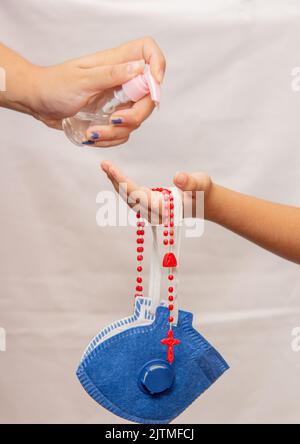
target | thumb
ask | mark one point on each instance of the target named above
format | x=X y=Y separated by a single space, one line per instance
x=104 y=77
x=192 y=182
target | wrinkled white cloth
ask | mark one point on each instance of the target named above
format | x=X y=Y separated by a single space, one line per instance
x=228 y=109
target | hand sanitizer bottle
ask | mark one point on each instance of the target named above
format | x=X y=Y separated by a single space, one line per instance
x=98 y=111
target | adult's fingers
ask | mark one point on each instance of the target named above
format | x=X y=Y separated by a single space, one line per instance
x=104 y=77
x=106 y=143
x=134 y=116
x=145 y=48
x=97 y=134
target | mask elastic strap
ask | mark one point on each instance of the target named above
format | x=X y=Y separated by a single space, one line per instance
x=178 y=217
x=156 y=268
x=155 y=272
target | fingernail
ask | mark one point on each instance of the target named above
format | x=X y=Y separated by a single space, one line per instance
x=88 y=142
x=135 y=66
x=117 y=120
x=95 y=135
x=180 y=178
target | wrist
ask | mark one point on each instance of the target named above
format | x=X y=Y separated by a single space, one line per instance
x=26 y=95
x=212 y=202
x=21 y=92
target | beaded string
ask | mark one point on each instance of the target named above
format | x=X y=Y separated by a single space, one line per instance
x=140 y=257
x=170 y=262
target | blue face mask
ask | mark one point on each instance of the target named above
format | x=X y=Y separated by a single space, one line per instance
x=125 y=369
x=129 y=375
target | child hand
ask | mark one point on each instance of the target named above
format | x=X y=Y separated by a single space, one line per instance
x=151 y=201
x=139 y=198
x=273 y=226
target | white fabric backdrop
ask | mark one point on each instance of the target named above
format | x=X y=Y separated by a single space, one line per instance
x=227 y=109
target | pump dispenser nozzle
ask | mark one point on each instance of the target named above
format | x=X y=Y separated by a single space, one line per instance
x=142 y=85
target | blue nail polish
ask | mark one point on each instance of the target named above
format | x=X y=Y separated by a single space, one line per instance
x=95 y=136
x=88 y=142
x=117 y=121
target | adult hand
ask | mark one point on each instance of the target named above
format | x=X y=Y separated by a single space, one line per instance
x=53 y=93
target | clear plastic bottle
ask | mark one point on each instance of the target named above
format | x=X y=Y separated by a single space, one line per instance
x=98 y=111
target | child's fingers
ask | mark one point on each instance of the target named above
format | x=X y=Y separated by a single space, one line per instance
x=114 y=175
x=185 y=181
x=139 y=198
x=105 y=167
x=123 y=181
x=192 y=182
x=105 y=164
x=126 y=187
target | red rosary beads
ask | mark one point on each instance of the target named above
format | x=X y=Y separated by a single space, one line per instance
x=169 y=261
x=140 y=250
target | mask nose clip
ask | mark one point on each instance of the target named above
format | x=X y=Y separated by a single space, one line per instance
x=156 y=377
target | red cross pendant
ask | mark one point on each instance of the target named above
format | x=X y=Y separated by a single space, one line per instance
x=170 y=341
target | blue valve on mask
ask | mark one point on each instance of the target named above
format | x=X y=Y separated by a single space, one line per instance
x=156 y=377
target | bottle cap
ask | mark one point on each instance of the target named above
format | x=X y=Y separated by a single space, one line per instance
x=142 y=85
